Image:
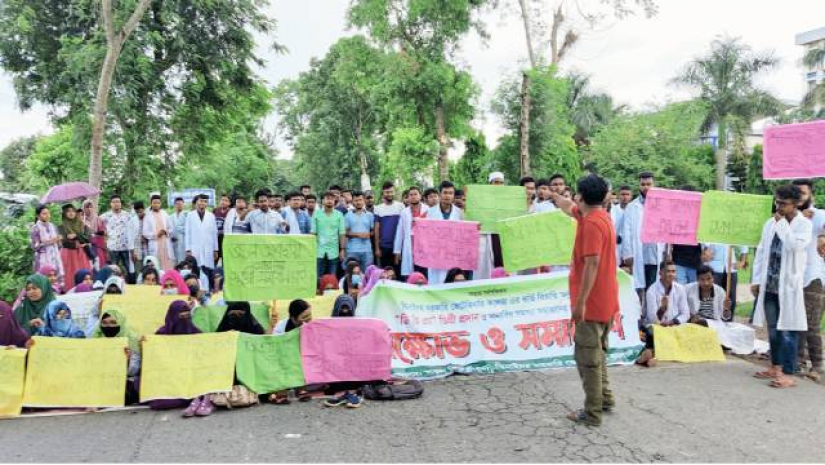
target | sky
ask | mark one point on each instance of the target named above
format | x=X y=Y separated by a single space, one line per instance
x=632 y=60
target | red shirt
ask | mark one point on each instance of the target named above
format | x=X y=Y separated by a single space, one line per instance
x=420 y=213
x=595 y=236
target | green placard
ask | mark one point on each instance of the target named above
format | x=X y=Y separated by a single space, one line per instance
x=267 y=267
x=270 y=363
x=535 y=240
x=208 y=318
x=733 y=219
x=488 y=204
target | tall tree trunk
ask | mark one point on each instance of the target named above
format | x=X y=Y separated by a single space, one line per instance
x=525 y=18
x=443 y=142
x=114 y=45
x=524 y=125
x=721 y=154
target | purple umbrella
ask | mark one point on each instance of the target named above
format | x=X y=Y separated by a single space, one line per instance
x=69 y=191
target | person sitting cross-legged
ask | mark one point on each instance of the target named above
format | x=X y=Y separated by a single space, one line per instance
x=706 y=300
x=665 y=305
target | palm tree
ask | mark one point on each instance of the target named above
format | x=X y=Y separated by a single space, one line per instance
x=816 y=95
x=725 y=80
x=588 y=111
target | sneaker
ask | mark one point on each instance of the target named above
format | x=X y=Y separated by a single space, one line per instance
x=206 y=408
x=353 y=400
x=337 y=401
x=193 y=407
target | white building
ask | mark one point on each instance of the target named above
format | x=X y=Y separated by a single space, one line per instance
x=814 y=75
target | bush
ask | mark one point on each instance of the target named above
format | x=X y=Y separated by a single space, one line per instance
x=15 y=255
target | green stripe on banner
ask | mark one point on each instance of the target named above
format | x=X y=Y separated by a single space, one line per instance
x=208 y=318
x=270 y=363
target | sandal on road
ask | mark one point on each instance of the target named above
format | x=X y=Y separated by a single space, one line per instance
x=767 y=374
x=783 y=382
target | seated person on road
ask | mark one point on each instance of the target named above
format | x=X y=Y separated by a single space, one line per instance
x=706 y=300
x=665 y=305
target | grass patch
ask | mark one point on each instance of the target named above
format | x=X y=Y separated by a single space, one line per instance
x=743 y=310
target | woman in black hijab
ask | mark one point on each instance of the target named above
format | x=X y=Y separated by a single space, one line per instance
x=238 y=317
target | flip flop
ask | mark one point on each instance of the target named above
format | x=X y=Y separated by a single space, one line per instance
x=767 y=374
x=782 y=383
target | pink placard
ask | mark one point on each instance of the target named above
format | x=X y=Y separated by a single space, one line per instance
x=794 y=151
x=443 y=245
x=671 y=217
x=346 y=349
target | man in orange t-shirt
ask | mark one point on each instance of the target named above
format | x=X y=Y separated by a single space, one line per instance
x=594 y=293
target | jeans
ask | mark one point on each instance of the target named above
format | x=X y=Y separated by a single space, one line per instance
x=810 y=340
x=721 y=280
x=685 y=275
x=364 y=258
x=121 y=258
x=388 y=260
x=782 y=343
x=327 y=266
x=590 y=352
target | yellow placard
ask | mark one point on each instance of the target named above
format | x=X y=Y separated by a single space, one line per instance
x=12 y=379
x=321 y=306
x=76 y=372
x=186 y=366
x=143 y=306
x=687 y=343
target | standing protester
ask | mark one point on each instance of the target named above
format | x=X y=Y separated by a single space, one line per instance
x=264 y=220
x=119 y=240
x=445 y=211
x=220 y=213
x=311 y=203
x=202 y=239
x=141 y=244
x=74 y=253
x=688 y=258
x=529 y=185
x=402 y=249
x=810 y=341
x=718 y=262
x=594 y=294
x=97 y=230
x=779 y=263
x=431 y=197
x=298 y=220
x=459 y=199
x=328 y=226
x=370 y=199
x=158 y=229
x=179 y=230
x=360 y=226
x=306 y=190
x=387 y=215
x=544 y=198
x=642 y=259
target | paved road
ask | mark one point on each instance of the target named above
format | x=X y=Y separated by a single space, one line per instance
x=672 y=413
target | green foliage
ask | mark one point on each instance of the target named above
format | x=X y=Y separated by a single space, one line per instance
x=475 y=164
x=410 y=159
x=12 y=162
x=56 y=159
x=552 y=147
x=663 y=142
x=15 y=255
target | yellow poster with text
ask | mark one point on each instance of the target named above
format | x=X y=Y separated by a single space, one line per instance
x=12 y=378
x=687 y=343
x=76 y=372
x=143 y=306
x=186 y=366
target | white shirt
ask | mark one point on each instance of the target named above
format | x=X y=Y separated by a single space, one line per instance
x=677 y=308
x=695 y=301
x=815 y=265
x=543 y=206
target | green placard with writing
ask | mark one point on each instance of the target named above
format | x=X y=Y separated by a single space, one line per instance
x=270 y=363
x=208 y=318
x=733 y=219
x=535 y=240
x=267 y=267
x=488 y=204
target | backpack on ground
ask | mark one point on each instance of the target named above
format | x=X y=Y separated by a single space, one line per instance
x=396 y=389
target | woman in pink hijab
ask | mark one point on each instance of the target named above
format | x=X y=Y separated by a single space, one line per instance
x=172 y=283
x=417 y=279
x=373 y=276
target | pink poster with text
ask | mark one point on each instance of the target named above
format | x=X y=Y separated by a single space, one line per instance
x=794 y=151
x=346 y=349
x=442 y=245
x=671 y=217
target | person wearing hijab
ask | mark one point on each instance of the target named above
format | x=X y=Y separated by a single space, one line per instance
x=238 y=317
x=328 y=284
x=417 y=279
x=179 y=322
x=499 y=272
x=50 y=273
x=31 y=311
x=73 y=252
x=114 y=285
x=97 y=229
x=373 y=276
x=45 y=242
x=149 y=277
x=58 y=322
x=344 y=306
x=173 y=283
x=150 y=263
x=113 y=323
x=300 y=312
x=455 y=275
x=11 y=333
x=102 y=276
x=81 y=276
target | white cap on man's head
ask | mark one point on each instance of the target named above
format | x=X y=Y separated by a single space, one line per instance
x=496 y=176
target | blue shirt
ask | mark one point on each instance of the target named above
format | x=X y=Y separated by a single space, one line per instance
x=265 y=223
x=359 y=223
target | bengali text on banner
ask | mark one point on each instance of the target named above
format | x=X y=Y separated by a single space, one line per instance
x=510 y=324
x=733 y=219
x=443 y=245
x=794 y=151
x=671 y=217
x=488 y=204
x=536 y=240
x=266 y=267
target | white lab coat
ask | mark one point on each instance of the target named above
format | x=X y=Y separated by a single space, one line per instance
x=229 y=221
x=695 y=302
x=617 y=216
x=150 y=235
x=403 y=239
x=202 y=238
x=179 y=223
x=795 y=237
x=632 y=242
x=435 y=276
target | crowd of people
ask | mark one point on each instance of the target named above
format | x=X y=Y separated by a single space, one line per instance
x=363 y=238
